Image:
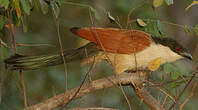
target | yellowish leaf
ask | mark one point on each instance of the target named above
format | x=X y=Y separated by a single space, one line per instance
x=141 y=22
x=18 y=12
x=157 y=3
x=8 y=26
x=189 y=6
x=154 y=64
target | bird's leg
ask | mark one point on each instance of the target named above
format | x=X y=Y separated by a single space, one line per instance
x=141 y=73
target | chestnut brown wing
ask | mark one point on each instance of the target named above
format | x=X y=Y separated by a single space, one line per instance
x=115 y=40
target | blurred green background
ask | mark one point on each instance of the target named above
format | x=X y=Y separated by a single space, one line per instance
x=44 y=83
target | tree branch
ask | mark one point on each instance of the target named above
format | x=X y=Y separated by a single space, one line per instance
x=148 y=99
x=95 y=108
x=64 y=98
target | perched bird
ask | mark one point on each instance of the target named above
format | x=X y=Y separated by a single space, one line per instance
x=123 y=49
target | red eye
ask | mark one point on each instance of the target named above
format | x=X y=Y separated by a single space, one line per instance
x=177 y=49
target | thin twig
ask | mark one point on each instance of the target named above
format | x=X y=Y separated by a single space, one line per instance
x=190 y=96
x=136 y=63
x=93 y=108
x=34 y=45
x=117 y=21
x=177 y=99
x=164 y=102
x=1 y=83
x=165 y=83
x=171 y=97
x=125 y=96
x=130 y=12
x=88 y=62
x=12 y=30
x=3 y=43
x=77 y=4
x=23 y=87
x=62 y=52
x=82 y=82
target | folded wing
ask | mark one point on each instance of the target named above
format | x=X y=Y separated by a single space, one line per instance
x=115 y=40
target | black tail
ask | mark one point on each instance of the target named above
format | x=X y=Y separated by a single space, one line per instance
x=19 y=62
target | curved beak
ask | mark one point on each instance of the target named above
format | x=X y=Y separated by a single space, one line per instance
x=187 y=55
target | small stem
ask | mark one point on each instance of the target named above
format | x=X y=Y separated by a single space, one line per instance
x=176 y=100
x=190 y=96
x=130 y=12
x=77 y=4
x=62 y=53
x=24 y=90
x=83 y=82
x=3 y=43
x=12 y=30
x=125 y=96
x=164 y=102
x=173 y=24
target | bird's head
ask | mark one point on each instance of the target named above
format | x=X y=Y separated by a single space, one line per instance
x=174 y=46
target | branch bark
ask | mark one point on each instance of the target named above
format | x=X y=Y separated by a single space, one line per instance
x=148 y=99
x=96 y=108
x=64 y=98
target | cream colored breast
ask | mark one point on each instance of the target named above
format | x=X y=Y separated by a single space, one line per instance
x=123 y=62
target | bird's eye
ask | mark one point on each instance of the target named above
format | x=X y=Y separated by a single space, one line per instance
x=177 y=49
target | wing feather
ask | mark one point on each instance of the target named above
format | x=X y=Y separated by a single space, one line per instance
x=115 y=40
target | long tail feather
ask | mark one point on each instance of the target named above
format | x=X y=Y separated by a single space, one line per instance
x=18 y=62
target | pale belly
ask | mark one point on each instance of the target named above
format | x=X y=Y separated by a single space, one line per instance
x=141 y=60
x=123 y=62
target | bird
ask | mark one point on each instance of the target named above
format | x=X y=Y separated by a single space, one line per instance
x=123 y=49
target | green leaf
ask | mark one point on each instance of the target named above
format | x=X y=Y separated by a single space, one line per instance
x=16 y=4
x=150 y=27
x=169 y=2
x=157 y=3
x=44 y=6
x=172 y=70
x=15 y=19
x=4 y=3
x=192 y=4
x=17 y=8
x=186 y=29
x=154 y=27
x=2 y=22
x=137 y=26
x=175 y=73
x=55 y=8
x=4 y=52
x=176 y=84
x=95 y=13
x=60 y=2
x=24 y=23
x=167 y=68
x=196 y=29
x=25 y=6
x=160 y=28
